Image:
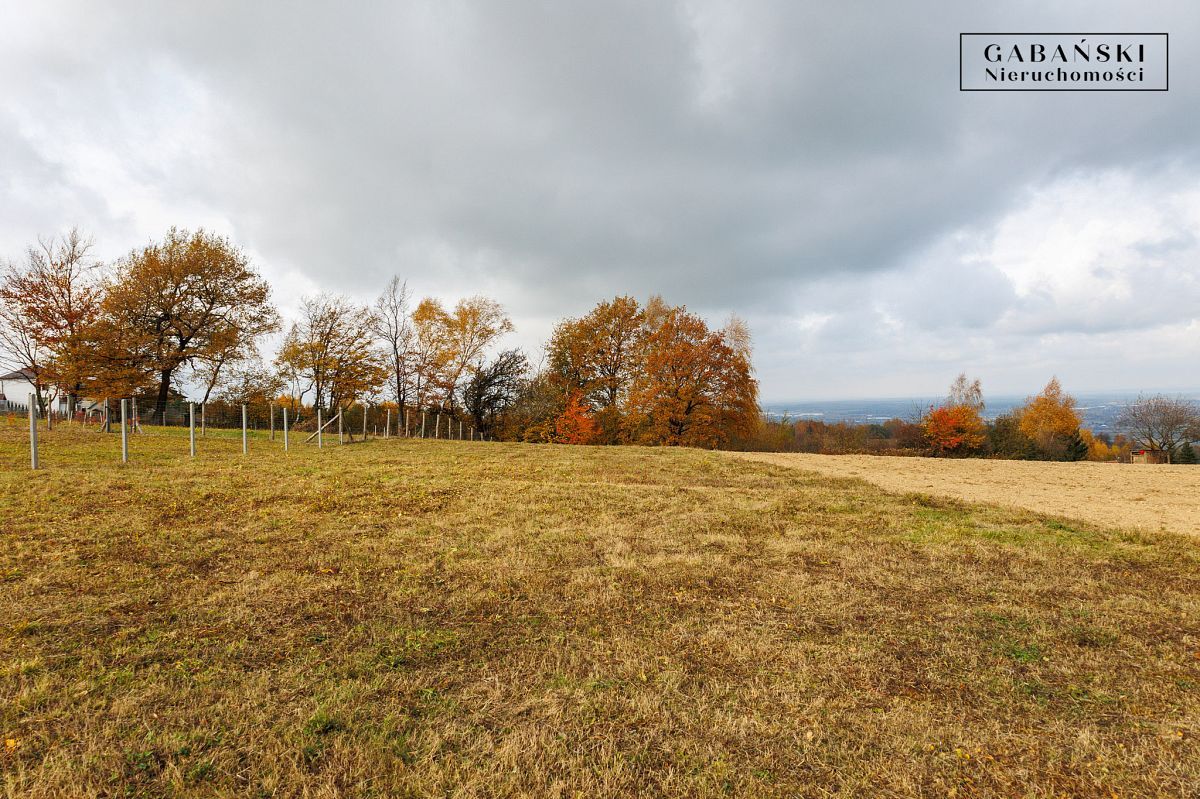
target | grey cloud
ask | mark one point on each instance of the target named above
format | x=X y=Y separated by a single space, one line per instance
x=775 y=159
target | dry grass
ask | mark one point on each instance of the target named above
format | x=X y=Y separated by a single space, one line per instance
x=456 y=619
x=1146 y=497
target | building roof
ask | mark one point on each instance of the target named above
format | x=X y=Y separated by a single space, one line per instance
x=20 y=374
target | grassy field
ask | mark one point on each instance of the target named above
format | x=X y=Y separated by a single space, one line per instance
x=463 y=619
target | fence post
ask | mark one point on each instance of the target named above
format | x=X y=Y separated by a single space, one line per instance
x=124 y=432
x=341 y=438
x=364 y=421
x=245 y=443
x=460 y=429
x=49 y=412
x=272 y=409
x=423 y=424
x=320 y=442
x=33 y=445
x=192 y=427
x=437 y=424
x=203 y=421
x=133 y=407
x=387 y=427
x=406 y=422
x=285 y=440
x=107 y=425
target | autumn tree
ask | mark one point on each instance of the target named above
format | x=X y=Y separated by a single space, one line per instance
x=956 y=427
x=185 y=298
x=598 y=355
x=575 y=425
x=1051 y=421
x=954 y=430
x=49 y=307
x=1160 y=422
x=431 y=352
x=332 y=347
x=252 y=382
x=473 y=326
x=693 y=388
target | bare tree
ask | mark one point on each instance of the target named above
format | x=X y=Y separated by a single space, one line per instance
x=392 y=324
x=966 y=392
x=1160 y=422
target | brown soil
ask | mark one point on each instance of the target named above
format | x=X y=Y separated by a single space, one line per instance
x=1110 y=494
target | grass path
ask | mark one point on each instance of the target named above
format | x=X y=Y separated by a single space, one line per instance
x=462 y=619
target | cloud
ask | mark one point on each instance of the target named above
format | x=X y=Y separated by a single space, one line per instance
x=812 y=168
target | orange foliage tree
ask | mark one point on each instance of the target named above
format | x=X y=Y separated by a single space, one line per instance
x=599 y=355
x=954 y=429
x=695 y=386
x=575 y=425
x=48 y=308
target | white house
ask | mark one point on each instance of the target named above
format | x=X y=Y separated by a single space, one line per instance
x=15 y=388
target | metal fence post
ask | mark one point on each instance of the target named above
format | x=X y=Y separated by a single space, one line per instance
x=33 y=445
x=124 y=432
x=320 y=442
x=203 y=421
x=364 y=422
x=285 y=437
x=437 y=424
x=272 y=409
x=341 y=436
x=245 y=443
x=192 y=427
x=460 y=429
x=422 y=424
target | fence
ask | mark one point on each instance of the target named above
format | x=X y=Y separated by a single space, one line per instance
x=288 y=426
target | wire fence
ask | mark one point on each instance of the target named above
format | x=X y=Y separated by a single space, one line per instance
x=287 y=425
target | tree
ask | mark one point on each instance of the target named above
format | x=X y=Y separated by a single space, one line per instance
x=332 y=347
x=954 y=430
x=599 y=355
x=1052 y=423
x=967 y=393
x=23 y=349
x=1160 y=422
x=431 y=351
x=1186 y=453
x=471 y=328
x=394 y=328
x=252 y=383
x=1006 y=439
x=189 y=297
x=693 y=387
x=575 y=424
x=494 y=388
x=599 y=352
x=48 y=309
x=956 y=427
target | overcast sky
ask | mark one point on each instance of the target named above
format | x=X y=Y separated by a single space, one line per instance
x=811 y=167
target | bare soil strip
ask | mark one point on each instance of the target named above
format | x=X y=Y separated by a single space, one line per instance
x=1143 y=497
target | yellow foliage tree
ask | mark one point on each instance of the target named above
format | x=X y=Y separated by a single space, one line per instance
x=1050 y=418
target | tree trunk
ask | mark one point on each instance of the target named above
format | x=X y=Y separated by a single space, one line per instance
x=164 y=389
